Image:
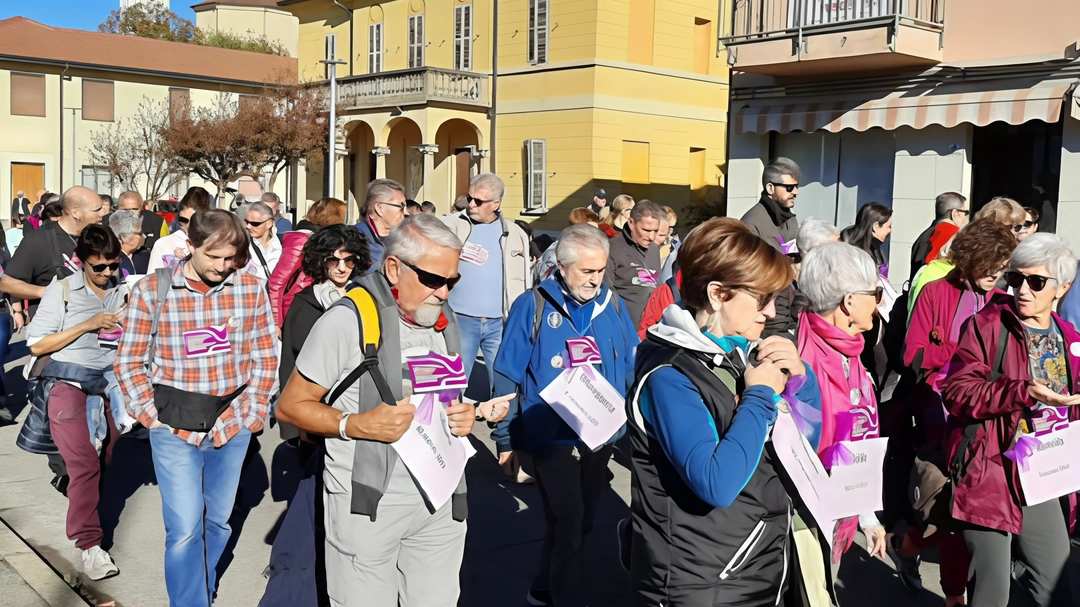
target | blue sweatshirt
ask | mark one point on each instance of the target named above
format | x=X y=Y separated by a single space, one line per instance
x=715 y=467
x=526 y=368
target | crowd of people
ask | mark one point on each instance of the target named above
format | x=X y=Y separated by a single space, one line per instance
x=751 y=371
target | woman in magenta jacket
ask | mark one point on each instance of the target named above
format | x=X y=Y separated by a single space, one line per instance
x=980 y=253
x=1014 y=379
x=288 y=277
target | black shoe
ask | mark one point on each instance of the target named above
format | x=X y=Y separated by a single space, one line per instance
x=906 y=567
x=60 y=483
x=539 y=598
x=622 y=534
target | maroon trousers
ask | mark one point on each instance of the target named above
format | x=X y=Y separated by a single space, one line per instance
x=71 y=433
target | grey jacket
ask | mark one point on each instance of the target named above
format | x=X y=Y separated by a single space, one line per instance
x=373 y=462
x=761 y=223
x=627 y=267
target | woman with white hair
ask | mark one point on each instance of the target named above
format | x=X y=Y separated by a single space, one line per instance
x=127 y=226
x=1010 y=389
x=814 y=232
x=841 y=283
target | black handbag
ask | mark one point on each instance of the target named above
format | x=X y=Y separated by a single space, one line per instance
x=193 y=411
x=35 y=436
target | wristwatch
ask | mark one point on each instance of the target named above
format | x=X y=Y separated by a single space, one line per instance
x=341 y=427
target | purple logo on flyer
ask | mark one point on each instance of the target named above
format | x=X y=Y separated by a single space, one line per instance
x=207 y=341
x=583 y=351
x=433 y=372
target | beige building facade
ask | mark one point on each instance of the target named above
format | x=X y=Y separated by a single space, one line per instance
x=896 y=102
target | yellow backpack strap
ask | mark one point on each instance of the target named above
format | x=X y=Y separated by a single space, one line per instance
x=360 y=301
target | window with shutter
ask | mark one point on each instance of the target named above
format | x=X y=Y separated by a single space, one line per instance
x=536 y=175
x=375 y=48
x=538 y=31
x=27 y=95
x=97 y=101
x=463 y=37
x=416 y=41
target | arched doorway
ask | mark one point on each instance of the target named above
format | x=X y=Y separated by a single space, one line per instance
x=405 y=164
x=456 y=161
x=360 y=163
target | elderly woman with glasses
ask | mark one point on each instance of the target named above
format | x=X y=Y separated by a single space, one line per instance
x=841 y=283
x=75 y=313
x=1011 y=388
x=711 y=519
x=127 y=226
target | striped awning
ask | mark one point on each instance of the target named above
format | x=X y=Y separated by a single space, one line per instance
x=946 y=105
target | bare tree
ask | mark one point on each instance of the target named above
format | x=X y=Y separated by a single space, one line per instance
x=133 y=150
x=220 y=142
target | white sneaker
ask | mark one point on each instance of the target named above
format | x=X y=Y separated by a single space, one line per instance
x=97 y=564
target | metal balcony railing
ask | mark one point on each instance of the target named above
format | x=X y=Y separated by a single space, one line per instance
x=413 y=86
x=756 y=19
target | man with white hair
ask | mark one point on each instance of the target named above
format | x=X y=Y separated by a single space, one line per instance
x=265 y=249
x=384 y=208
x=574 y=303
x=20 y=205
x=411 y=552
x=494 y=268
x=153 y=225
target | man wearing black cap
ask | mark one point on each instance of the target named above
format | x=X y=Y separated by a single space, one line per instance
x=599 y=200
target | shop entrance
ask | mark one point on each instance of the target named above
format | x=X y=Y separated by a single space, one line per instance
x=1022 y=162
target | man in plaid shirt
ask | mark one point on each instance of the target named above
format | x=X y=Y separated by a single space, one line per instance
x=215 y=335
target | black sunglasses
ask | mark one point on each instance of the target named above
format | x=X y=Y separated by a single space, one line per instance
x=478 y=202
x=183 y=219
x=790 y=187
x=1023 y=226
x=255 y=224
x=332 y=262
x=101 y=267
x=1015 y=280
x=878 y=293
x=433 y=281
x=763 y=299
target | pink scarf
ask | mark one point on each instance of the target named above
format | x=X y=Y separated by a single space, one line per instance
x=848 y=405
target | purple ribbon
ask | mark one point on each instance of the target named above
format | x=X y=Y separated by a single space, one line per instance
x=427 y=406
x=883 y=270
x=787 y=248
x=806 y=417
x=1023 y=449
x=837 y=455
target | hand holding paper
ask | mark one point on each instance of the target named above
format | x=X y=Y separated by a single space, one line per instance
x=461 y=417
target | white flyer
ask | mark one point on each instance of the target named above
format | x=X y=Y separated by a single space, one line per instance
x=1053 y=468
x=435 y=457
x=588 y=403
x=803 y=467
x=858 y=487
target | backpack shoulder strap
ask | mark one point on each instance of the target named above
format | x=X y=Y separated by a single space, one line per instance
x=164 y=283
x=360 y=301
x=538 y=315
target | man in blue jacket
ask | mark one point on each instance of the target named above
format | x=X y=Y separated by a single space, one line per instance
x=384 y=208
x=571 y=477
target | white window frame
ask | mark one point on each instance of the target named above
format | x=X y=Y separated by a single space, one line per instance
x=538 y=31
x=416 y=40
x=101 y=180
x=463 y=28
x=536 y=176
x=375 y=48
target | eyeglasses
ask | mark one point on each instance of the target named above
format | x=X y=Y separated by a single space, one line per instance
x=1020 y=227
x=1015 y=280
x=432 y=281
x=333 y=262
x=790 y=187
x=400 y=207
x=101 y=267
x=479 y=202
x=964 y=211
x=255 y=224
x=877 y=293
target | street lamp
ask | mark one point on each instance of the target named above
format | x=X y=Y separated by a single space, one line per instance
x=331 y=62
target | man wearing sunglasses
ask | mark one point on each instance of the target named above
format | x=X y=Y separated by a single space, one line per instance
x=172 y=248
x=384 y=208
x=407 y=554
x=950 y=214
x=772 y=218
x=495 y=269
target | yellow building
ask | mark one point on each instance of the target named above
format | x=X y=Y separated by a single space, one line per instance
x=627 y=95
x=58 y=86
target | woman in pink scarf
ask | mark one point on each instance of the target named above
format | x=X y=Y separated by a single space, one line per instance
x=841 y=284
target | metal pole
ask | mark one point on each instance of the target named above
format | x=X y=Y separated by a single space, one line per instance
x=74 y=148
x=331 y=62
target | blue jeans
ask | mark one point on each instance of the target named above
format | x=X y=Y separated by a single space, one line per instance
x=194 y=480
x=476 y=334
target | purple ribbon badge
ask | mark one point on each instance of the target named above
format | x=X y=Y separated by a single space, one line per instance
x=787 y=248
x=206 y=341
x=805 y=416
x=1024 y=448
x=436 y=376
x=583 y=351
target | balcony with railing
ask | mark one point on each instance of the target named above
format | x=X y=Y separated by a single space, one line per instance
x=413 y=87
x=789 y=37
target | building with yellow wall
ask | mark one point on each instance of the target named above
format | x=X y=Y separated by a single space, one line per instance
x=627 y=95
x=58 y=86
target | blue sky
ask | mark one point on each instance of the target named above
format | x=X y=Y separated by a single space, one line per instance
x=77 y=14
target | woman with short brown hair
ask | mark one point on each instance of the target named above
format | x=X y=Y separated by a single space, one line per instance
x=704 y=484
